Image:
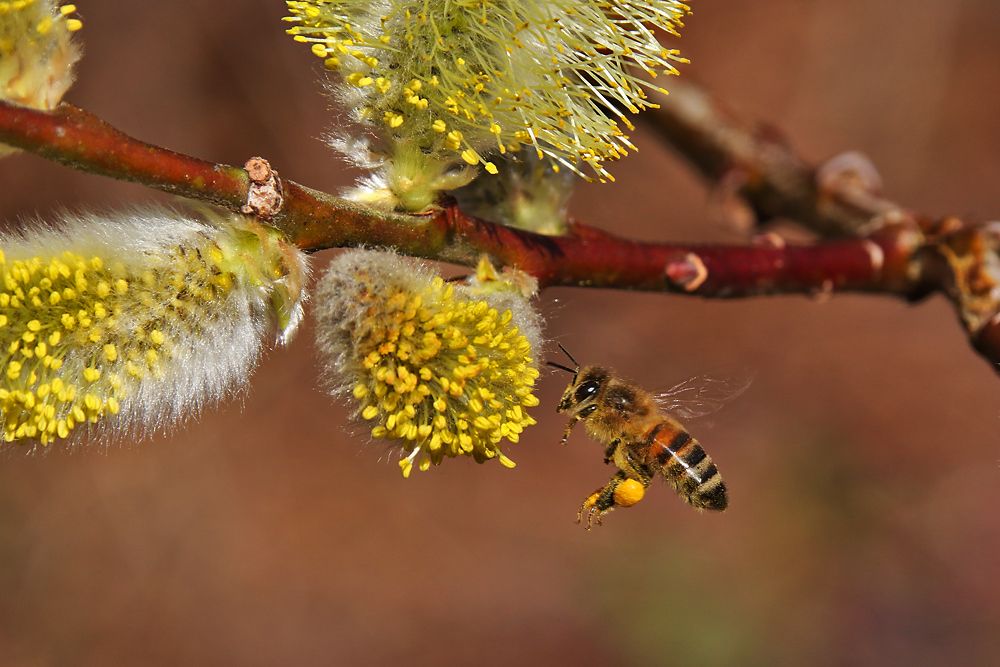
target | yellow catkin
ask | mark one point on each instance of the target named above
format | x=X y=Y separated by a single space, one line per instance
x=120 y=324
x=36 y=53
x=434 y=366
x=556 y=74
x=78 y=328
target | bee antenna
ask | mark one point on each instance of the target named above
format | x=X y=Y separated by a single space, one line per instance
x=569 y=355
x=561 y=367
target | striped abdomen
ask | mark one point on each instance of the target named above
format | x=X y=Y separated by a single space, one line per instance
x=686 y=466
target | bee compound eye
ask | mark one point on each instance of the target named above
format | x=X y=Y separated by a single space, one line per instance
x=586 y=390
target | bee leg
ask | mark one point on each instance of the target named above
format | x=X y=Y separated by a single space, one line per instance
x=593 y=508
x=569 y=427
x=609 y=451
x=600 y=502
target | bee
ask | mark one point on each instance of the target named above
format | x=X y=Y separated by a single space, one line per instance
x=642 y=441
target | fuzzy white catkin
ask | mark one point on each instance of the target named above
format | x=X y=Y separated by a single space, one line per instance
x=440 y=369
x=135 y=321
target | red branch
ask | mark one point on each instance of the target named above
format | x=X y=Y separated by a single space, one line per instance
x=905 y=256
x=586 y=257
x=593 y=258
x=79 y=140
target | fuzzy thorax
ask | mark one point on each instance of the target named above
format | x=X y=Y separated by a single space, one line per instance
x=135 y=322
x=442 y=369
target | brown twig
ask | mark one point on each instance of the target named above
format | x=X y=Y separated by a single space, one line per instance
x=904 y=256
x=754 y=161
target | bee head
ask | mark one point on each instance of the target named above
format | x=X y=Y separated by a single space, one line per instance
x=586 y=384
x=584 y=389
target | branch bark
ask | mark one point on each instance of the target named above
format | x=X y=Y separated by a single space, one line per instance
x=903 y=255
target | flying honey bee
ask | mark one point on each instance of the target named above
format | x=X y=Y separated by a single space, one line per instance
x=642 y=441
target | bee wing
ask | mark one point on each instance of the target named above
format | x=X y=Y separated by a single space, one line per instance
x=704 y=394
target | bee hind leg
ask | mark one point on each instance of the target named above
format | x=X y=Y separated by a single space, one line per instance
x=600 y=502
x=594 y=507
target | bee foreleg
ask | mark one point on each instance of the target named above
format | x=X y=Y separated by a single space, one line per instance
x=569 y=427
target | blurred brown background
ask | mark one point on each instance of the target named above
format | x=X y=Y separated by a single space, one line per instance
x=863 y=464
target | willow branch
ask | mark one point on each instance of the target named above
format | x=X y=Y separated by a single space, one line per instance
x=907 y=258
x=754 y=161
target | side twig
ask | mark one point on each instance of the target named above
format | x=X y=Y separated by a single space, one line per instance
x=754 y=161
